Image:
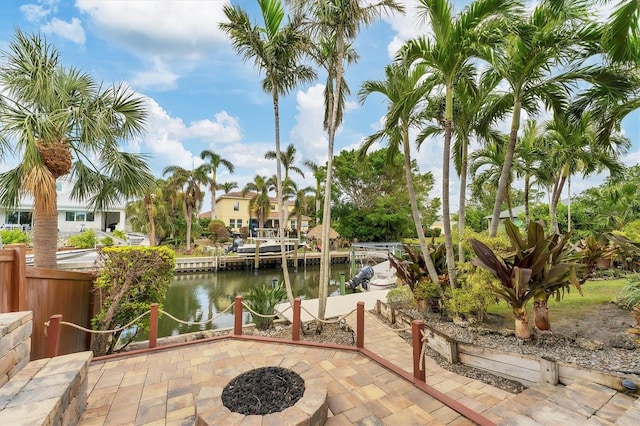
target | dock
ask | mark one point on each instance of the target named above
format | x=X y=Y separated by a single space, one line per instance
x=336 y=305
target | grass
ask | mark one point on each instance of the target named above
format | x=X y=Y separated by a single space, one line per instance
x=572 y=305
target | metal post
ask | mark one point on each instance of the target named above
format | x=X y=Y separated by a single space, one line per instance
x=360 y=325
x=416 y=337
x=352 y=258
x=53 y=335
x=237 y=312
x=153 y=326
x=342 y=288
x=295 y=327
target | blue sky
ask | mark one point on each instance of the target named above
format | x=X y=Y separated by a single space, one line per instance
x=202 y=96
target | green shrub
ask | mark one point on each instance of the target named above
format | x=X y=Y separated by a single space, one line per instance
x=474 y=297
x=131 y=278
x=264 y=300
x=121 y=235
x=400 y=298
x=14 y=236
x=630 y=295
x=86 y=239
x=106 y=241
x=500 y=244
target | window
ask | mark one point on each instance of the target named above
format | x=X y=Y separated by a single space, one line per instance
x=70 y=216
x=236 y=206
x=293 y=224
x=79 y=216
x=239 y=222
x=273 y=207
x=232 y=223
x=90 y=217
x=58 y=186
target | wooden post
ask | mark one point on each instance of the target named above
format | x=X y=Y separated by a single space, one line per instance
x=416 y=337
x=549 y=371
x=237 y=312
x=295 y=327
x=342 y=287
x=256 y=259
x=360 y=325
x=18 y=292
x=153 y=326
x=295 y=254
x=53 y=335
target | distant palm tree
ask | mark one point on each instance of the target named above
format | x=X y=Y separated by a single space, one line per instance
x=64 y=123
x=188 y=183
x=300 y=205
x=260 y=202
x=227 y=186
x=214 y=162
x=143 y=213
x=277 y=51
x=319 y=175
x=288 y=158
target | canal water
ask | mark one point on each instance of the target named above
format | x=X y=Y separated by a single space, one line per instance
x=200 y=297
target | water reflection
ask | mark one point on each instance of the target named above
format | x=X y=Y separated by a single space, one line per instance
x=200 y=297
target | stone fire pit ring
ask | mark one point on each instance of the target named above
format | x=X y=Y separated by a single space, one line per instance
x=311 y=409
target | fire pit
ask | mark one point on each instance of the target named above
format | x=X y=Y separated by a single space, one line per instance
x=269 y=395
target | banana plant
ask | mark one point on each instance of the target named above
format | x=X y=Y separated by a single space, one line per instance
x=539 y=266
x=412 y=268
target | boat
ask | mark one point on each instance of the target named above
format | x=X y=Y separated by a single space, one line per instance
x=380 y=276
x=63 y=254
x=267 y=241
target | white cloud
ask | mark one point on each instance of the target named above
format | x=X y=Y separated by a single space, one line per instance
x=178 y=29
x=36 y=12
x=159 y=77
x=308 y=133
x=72 y=31
x=225 y=129
x=406 y=26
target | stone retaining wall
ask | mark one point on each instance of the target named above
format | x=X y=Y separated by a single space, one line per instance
x=15 y=343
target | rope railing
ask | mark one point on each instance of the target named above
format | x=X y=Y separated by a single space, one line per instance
x=397 y=330
x=419 y=338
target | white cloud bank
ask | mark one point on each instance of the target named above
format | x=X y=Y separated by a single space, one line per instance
x=72 y=31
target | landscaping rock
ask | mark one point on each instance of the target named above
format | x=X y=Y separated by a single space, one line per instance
x=622 y=341
x=590 y=345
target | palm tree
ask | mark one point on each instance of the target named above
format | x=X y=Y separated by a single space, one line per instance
x=528 y=155
x=288 y=158
x=572 y=147
x=448 y=54
x=214 y=162
x=277 y=51
x=300 y=205
x=142 y=213
x=488 y=162
x=336 y=24
x=404 y=91
x=188 y=183
x=532 y=64
x=260 y=202
x=319 y=175
x=64 y=123
x=227 y=186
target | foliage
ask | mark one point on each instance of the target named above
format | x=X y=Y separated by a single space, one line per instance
x=627 y=252
x=432 y=232
x=411 y=267
x=13 y=236
x=632 y=230
x=264 y=300
x=106 y=241
x=426 y=290
x=120 y=234
x=500 y=244
x=130 y=280
x=630 y=294
x=218 y=231
x=400 y=297
x=539 y=267
x=86 y=239
x=473 y=298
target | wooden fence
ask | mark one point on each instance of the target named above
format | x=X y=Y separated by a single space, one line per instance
x=46 y=292
x=526 y=369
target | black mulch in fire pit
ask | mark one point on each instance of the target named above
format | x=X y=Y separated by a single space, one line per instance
x=263 y=391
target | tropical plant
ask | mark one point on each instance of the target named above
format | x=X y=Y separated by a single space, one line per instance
x=539 y=267
x=63 y=122
x=539 y=63
x=449 y=54
x=131 y=278
x=227 y=186
x=630 y=294
x=401 y=297
x=277 y=50
x=411 y=267
x=214 y=161
x=319 y=175
x=85 y=239
x=335 y=24
x=188 y=182
x=13 y=236
x=146 y=213
x=404 y=91
x=263 y=301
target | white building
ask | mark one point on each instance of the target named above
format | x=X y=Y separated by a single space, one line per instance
x=73 y=216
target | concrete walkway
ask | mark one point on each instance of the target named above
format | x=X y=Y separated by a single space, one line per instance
x=336 y=305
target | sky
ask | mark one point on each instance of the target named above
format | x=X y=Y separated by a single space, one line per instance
x=201 y=95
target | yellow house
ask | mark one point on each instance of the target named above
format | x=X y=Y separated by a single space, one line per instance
x=233 y=210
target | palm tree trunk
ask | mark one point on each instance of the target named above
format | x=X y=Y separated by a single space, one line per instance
x=541 y=311
x=325 y=255
x=433 y=274
x=462 y=200
x=152 y=222
x=213 y=197
x=522 y=324
x=446 y=216
x=527 y=219
x=508 y=200
x=188 y=213
x=45 y=237
x=506 y=168
x=280 y=195
x=569 y=204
